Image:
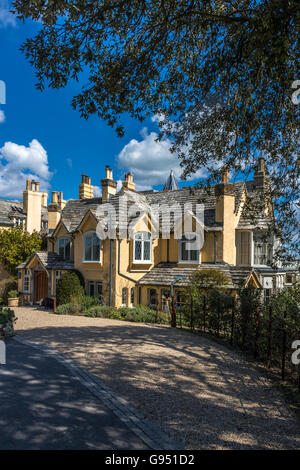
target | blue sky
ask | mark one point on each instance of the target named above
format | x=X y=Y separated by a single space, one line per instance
x=43 y=137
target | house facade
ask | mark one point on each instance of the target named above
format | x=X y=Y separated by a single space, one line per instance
x=132 y=247
x=30 y=214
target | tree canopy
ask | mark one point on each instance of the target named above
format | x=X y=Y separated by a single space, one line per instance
x=16 y=246
x=220 y=74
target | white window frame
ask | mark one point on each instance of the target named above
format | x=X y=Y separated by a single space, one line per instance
x=188 y=261
x=142 y=240
x=85 y=236
x=27 y=277
x=58 y=248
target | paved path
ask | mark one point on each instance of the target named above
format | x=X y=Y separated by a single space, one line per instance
x=201 y=394
x=43 y=406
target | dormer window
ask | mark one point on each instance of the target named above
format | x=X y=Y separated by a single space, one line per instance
x=189 y=251
x=91 y=250
x=64 y=247
x=142 y=248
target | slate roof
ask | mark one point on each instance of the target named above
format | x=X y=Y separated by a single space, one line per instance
x=11 y=209
x=8 y=210
x=76 y=209
x=165 y=273
x=50 y=260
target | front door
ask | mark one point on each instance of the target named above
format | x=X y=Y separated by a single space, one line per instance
x=41 y=285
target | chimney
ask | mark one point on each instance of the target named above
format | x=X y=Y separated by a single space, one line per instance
x=109 y=186
x=44 y=199
x=86 y=190
x=225 y=200
x=32 y=206
x=225 y=175
x=54 y=209
x=260 y=174
x=128 y=183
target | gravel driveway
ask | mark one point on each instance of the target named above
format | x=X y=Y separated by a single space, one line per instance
x=199 y=392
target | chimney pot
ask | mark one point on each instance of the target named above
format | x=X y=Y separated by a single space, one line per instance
x=225 y=175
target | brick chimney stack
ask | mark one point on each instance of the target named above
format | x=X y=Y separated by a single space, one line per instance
x=86 y=190
x=128 y=183
x=109 y=186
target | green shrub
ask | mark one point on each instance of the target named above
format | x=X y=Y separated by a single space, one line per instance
x=87 y=302
x=138 y=314
x=69 y=289
x=6 y=314
x=12 y=294
x=69 y=309
x=103 y=311
x=9 y=286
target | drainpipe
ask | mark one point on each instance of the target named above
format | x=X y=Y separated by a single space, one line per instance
x=119 y=271
x=111 y=242
x=168 y=250
x=215 y=247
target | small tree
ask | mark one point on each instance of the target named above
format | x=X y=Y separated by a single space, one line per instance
x=16 y=246
x=205 y=297
x=68 y=289
x=250 y=306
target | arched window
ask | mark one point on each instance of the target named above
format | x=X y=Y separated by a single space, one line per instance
x=189 y=250
x=142 y=249
x=91 y=251
x=64 y=247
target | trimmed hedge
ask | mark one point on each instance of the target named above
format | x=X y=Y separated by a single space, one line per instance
x=68 y=289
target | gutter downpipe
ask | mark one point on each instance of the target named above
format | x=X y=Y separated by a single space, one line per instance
x=111 y=243
x=215 y=248
x=119 y=272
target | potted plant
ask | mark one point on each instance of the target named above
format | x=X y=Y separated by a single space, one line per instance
x=7 y=320
x=13 y=298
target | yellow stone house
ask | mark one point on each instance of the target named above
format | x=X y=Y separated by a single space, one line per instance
x=132 y=266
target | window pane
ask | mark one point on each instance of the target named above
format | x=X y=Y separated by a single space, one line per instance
x=194 y=255
x=91 y=289
x=138 y=250
x=184 y=252
x=88 y=248
x=96 y=248
x=147 y=256
x=67 y=249
x=99 y=289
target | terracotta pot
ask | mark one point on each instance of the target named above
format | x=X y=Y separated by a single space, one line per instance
x=14 y=302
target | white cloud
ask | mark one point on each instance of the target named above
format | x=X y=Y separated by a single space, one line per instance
x=17 y=163
x=2 y=116
x=97 y=191
x=150 y=161
x=6 y=18
x=70 y=162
